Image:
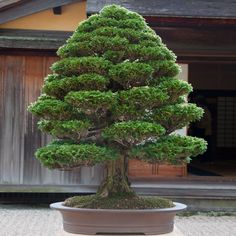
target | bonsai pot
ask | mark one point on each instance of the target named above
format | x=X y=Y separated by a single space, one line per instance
x=105 y=221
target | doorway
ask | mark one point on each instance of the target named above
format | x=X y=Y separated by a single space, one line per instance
x=215 y=90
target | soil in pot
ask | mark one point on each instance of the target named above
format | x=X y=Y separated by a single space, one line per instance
x=118 y=201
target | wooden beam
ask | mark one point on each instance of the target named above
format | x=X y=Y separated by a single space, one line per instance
x=32 y=39
x=30 y=7
x=199 y=41
x=180 y=8
x=155 y=21
x=6 y=3
x=28 y=52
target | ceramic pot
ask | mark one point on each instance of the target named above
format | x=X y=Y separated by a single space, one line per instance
x=109 y=221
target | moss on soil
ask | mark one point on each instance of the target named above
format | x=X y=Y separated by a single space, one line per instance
x=118 y=202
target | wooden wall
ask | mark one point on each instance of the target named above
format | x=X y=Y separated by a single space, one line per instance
x=21 y=78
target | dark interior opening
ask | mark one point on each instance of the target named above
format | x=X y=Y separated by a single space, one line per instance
x=215 y=90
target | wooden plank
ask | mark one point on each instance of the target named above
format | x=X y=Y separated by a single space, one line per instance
x=26 y=8
x=32 y=80
x=11 y=120
x=180 y=8
x=178 y=192
x=188 y=189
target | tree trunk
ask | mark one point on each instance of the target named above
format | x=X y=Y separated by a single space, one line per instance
x=116 y=181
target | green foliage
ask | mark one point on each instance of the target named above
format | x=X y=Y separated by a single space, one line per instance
x=91 y=101
x=119 y=13
x=94 y=22
x=115 y=86
x=132 y=132
x=95 y=45
x=75 y=49
x=62 y=142
x=68 y=156
x=130 y=74
x=136 y=102
x=175 y=116
x=114 y=56
x=60 y=87
x=51 y=108
x=166 y=68
x=175 y=88
x=52 y=77
x=143 y=97
x=76 y=66
x=123 y=112
x=133 y=36
x=143 y=52
x=174 y=149
x=75 y=129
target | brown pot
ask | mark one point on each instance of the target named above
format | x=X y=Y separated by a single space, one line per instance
x=105 y=221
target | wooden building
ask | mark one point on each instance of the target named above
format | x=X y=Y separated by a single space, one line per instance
x=201 y=33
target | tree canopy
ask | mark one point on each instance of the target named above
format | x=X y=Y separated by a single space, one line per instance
x=114 y=92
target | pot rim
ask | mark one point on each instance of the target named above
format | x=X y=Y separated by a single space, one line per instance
x=178 y=207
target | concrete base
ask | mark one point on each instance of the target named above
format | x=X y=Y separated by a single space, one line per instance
x=176 y=232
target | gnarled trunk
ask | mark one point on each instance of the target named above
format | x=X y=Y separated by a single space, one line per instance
x=116 y=181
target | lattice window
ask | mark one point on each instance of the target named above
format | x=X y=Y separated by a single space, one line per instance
x=226 y=122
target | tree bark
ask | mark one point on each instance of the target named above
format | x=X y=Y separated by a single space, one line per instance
x=116 y=181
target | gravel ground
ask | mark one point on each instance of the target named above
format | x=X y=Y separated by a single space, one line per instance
x=207 y=225
x=41 y=221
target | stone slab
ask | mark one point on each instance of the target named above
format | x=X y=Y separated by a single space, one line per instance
x=176 y=232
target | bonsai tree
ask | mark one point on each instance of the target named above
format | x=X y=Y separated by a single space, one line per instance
x=114 y=96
